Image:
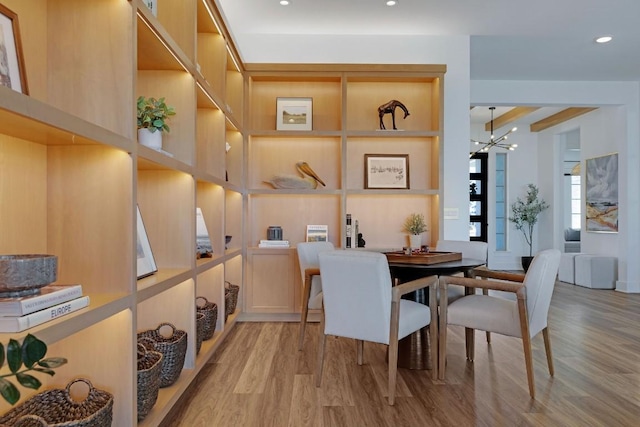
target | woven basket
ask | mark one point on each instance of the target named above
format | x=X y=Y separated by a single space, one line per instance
x=173 y=349
x=199 y=331
x=230 y=299
x=149 y=369
x=56 y=408
x=210 y=311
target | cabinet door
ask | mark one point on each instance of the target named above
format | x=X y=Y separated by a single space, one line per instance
x=272 y=281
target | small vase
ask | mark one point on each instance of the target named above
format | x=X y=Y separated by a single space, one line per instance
x=415 y=241
x=150 y=139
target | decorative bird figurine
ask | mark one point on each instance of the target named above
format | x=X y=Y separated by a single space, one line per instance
x=309 y=178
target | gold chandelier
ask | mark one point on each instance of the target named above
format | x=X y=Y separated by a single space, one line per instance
x=494 y=142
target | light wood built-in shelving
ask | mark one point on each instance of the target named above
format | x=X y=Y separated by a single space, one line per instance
x=73 y=173
x=345 y=128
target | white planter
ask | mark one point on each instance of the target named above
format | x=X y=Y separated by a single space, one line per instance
x=150 y=139
x=415 y=241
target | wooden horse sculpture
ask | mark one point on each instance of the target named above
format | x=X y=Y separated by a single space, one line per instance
x=390 y=108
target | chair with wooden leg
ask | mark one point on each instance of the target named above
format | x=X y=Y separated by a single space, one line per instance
x=524 y=317
x=361 y=303
x=311 y=282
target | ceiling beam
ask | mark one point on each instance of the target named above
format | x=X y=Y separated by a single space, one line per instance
x=558 y=118
x=509 y=117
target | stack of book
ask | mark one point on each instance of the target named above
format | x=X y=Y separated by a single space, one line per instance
x=273 y=244
x=53 y=301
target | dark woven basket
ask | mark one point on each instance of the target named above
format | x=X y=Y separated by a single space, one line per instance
x=149 y=369
x=56 y=408
x=210 y=311
x=230 y=299
x=199 y=331
x=173 y=349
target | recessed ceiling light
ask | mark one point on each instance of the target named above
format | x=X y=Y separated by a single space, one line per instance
x=391 y=2
x=604 y=39
x=285 y=2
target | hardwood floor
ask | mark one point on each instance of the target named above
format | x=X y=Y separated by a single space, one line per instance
x=259 y=378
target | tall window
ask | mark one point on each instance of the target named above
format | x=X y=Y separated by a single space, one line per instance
x=501 y=202
x=576 y=202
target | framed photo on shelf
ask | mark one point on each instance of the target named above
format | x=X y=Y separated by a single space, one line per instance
x=386 y=171
x=602 y=194
x=294 y=113
x=12 y=71
x=146 y=263
x=317 y=233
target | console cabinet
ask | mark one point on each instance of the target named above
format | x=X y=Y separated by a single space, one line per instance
x=345 y=128
x=72 y=174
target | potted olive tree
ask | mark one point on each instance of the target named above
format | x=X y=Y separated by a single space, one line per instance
x=415 y=225
x=152 y=121
x=524 y=214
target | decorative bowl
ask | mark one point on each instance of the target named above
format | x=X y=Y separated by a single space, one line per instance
x=22 y=275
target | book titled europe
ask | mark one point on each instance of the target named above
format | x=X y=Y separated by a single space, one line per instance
x=17 y=324
x=49 y=295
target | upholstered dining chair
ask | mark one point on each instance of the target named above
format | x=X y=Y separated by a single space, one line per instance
x=523 y=318
x=361 y=303
x=469 y=249
x=311 y=283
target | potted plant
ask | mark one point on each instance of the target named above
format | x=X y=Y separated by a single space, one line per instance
x=152 y=121
x=415 y=225
x=524 y=214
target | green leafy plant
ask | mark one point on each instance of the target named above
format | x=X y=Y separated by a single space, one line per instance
x=22 y=359
x=153 y=114
x=415 y=224
x=524 y=213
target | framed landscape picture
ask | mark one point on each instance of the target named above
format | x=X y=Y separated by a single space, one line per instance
x=12 y=72
x=386 y=171
x=601 y=191
x=294 y=113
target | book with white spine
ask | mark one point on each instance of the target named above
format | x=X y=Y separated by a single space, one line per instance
x=48 y=296
x=20 y=323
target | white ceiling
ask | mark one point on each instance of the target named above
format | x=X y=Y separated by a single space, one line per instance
x=510 y=39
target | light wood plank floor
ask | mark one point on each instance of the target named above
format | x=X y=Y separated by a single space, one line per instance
x=259 y=378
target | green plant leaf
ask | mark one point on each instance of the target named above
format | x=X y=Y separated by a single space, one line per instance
x=9 y=391
x=32 y=350
x=52 y=362
x=14 y=355
x=44 y=371
x=28 y=381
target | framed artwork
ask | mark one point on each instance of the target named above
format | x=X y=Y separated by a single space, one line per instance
x=146 y=263
x=317 y=233
x=294 y=113
x=386 y=171
x=12 y=72
x=601 y=191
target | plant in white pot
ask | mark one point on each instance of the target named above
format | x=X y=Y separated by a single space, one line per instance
x=415 y=225
x=152 y=121
x=524 y=214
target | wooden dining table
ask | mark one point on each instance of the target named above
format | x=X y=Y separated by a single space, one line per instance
x=413 y=350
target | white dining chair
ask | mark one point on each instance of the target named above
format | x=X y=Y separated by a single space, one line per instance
x=523 y=317
x=311 y=284
x=361 y=303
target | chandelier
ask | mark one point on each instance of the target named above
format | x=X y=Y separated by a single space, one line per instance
x=494 y=142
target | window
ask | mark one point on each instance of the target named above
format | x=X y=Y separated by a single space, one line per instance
x=478 y=197
x=501 y=202
x=576 y=202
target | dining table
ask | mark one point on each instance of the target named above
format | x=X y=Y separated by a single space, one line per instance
x=413 y=350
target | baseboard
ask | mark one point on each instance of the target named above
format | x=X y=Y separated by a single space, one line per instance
x=628 y=287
